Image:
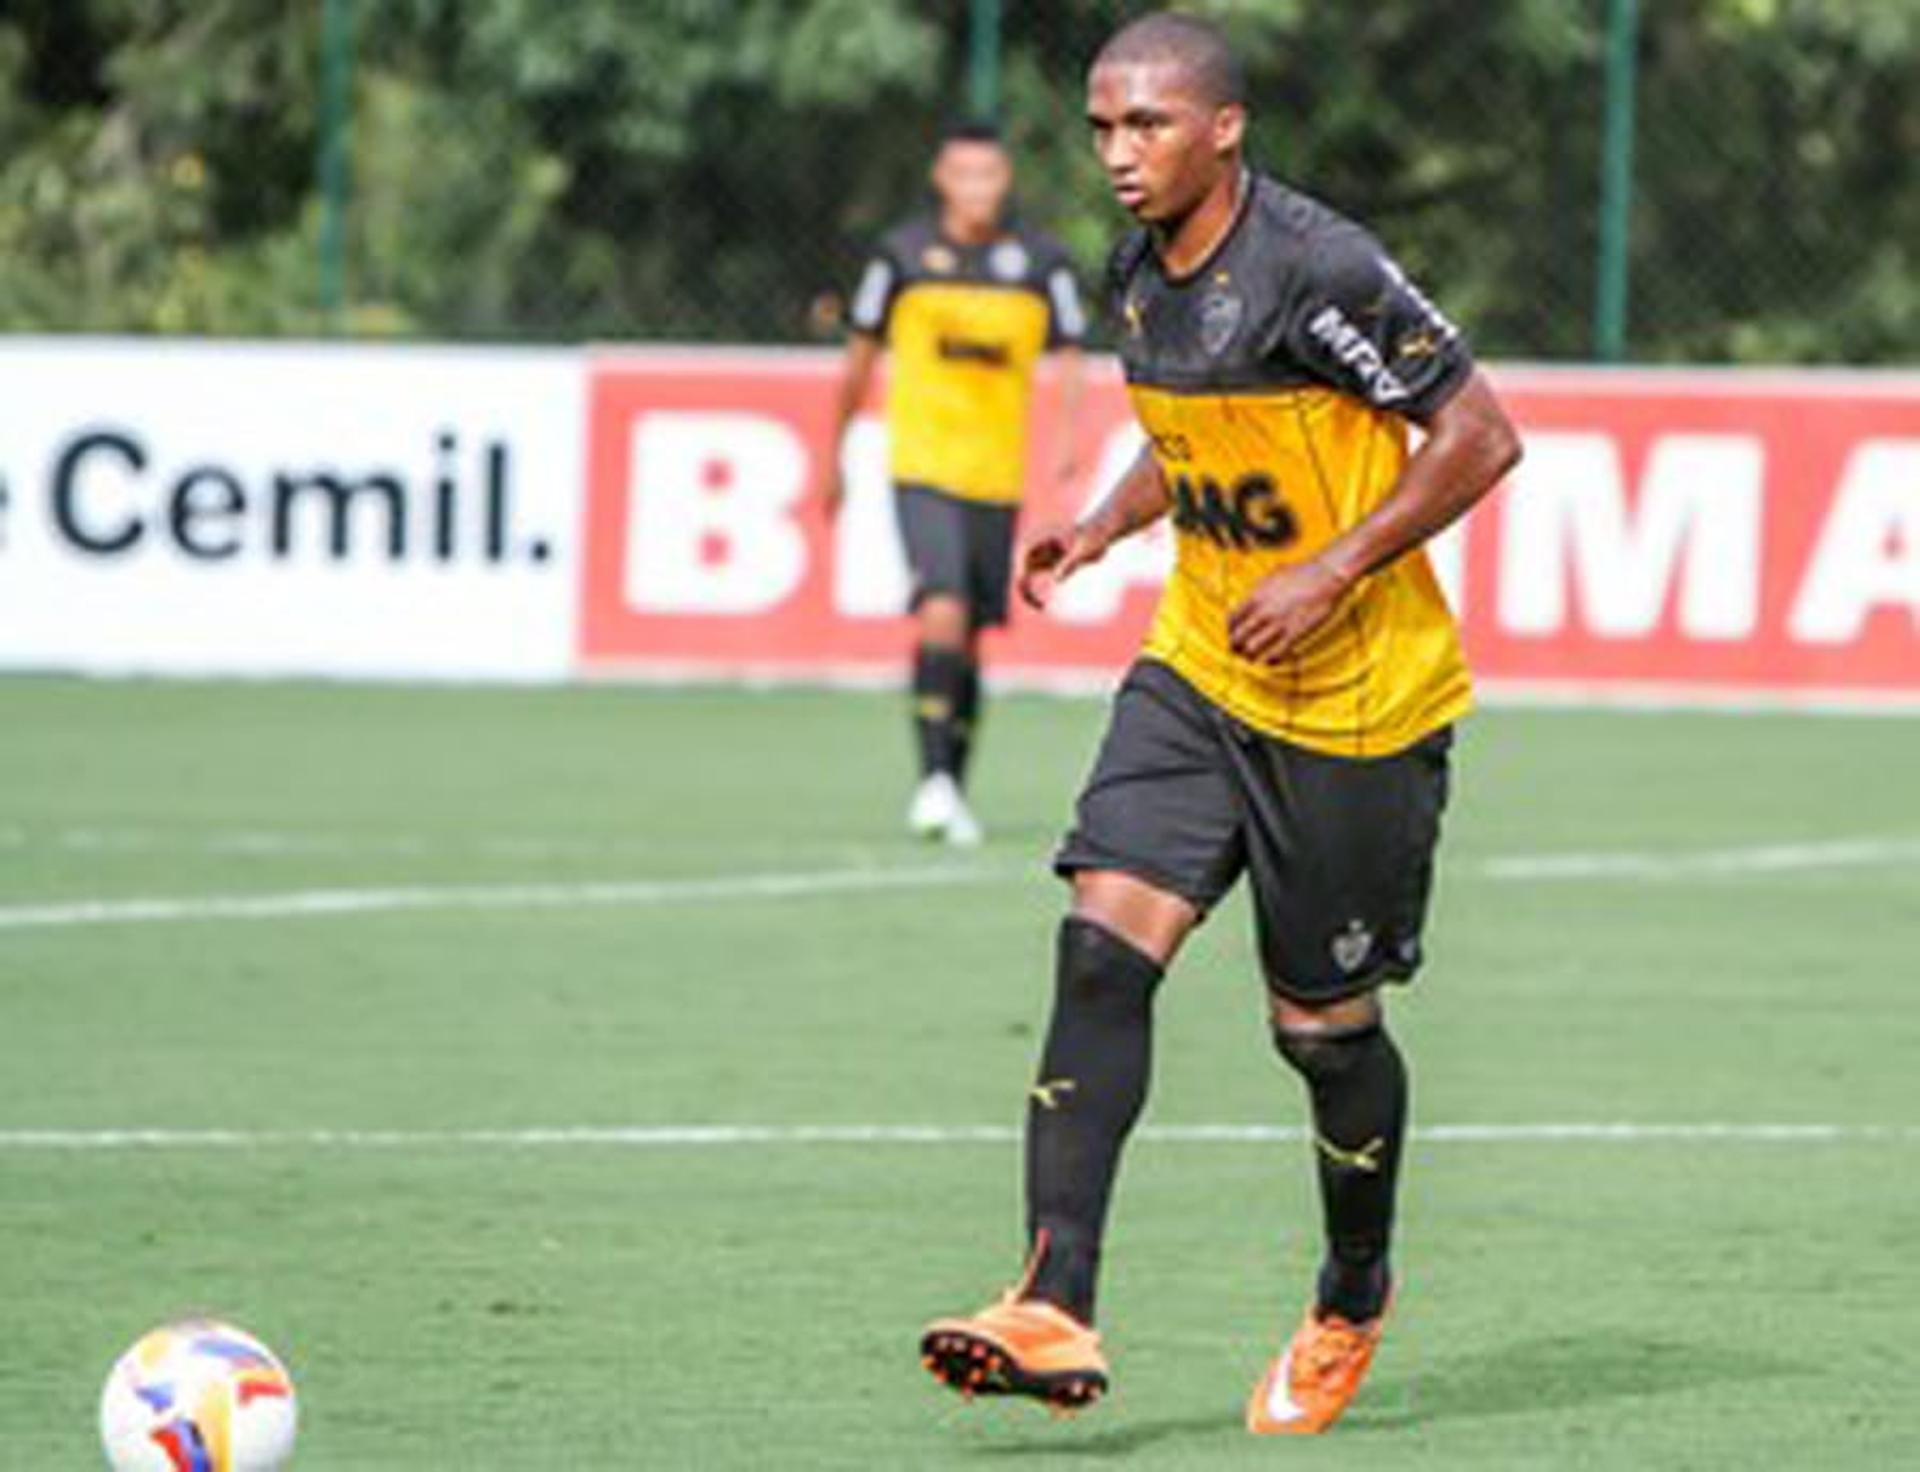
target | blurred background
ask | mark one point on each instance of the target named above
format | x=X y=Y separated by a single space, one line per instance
x=1703 y=181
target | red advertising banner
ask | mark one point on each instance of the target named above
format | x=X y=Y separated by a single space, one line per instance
x=1693 y=536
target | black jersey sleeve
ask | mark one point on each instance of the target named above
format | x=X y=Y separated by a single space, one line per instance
x=1357 y=323
x=872 y=304
x=1066 y=318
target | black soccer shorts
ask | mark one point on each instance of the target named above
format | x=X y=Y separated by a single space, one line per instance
x=958 y=547
x=1339 y=850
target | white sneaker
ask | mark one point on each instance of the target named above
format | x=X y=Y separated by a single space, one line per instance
x=963 y=829
x=935 y=801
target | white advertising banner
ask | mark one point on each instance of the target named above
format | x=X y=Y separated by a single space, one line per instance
x=389 y=511
x=226 y=508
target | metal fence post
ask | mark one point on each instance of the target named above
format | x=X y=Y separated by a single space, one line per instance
x=1616 y=182
x=336 y=118
x=983 y=58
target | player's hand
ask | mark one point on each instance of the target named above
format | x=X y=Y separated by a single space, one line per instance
x=1054 y=554
x=1283 y=609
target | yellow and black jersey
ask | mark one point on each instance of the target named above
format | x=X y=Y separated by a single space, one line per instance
x=1274 y=383
x=965 y=324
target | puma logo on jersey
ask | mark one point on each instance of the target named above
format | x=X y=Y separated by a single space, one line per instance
x=1366 y=1158
x=1422 y=342
x=1048 y=1095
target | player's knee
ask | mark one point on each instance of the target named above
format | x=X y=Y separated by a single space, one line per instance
x=1144 y=916
x=1099 y=970
x=1323 y=1043
x=945 y=621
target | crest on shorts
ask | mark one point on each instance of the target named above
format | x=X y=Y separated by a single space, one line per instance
x=1352 y=946
x=1220 y=314
x=1008 y=260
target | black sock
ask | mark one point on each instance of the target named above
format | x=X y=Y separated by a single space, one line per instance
x=939 y=674
x=1093 y=1081
x=1358 y=1083
x=966 y=720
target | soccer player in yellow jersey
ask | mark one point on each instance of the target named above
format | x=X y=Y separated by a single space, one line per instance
x=1289 y=718
x=966 y=301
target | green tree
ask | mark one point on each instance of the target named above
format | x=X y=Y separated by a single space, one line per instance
x=713 y=169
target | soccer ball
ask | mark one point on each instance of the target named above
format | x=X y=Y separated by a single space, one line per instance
x=198 y=1396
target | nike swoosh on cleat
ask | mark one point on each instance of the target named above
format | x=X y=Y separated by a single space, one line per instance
x=1280 y=1402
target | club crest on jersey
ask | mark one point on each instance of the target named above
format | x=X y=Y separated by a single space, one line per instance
x=1008 y=260
x=939 y=259
x=1220 y=314
x=1352 y=946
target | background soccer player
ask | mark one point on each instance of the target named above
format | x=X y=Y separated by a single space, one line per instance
x=1290 y=716
x=966 y=300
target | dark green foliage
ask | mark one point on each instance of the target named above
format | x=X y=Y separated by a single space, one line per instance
x=682 y=169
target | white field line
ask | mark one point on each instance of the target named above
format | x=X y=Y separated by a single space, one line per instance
x=1779 y=856
x=1650 y=866
x=723 y=1136
x=1773 y=858
x=251 y=843
x=306 y=903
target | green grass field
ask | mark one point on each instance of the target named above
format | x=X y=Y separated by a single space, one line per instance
x=1737 y=949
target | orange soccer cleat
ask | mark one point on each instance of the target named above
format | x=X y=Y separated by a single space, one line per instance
x=1018 y=1346
x=1311 y=1383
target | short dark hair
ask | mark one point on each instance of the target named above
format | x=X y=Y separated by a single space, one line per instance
x=971 y=130
x=1198 y=47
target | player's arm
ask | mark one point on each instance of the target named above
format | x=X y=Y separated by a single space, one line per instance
x=1470 y=445
x=1066 y=329
x=872 y=305
x=1053 y=554
x=1073 y=380
x=863 y=354
x=1363 y=328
